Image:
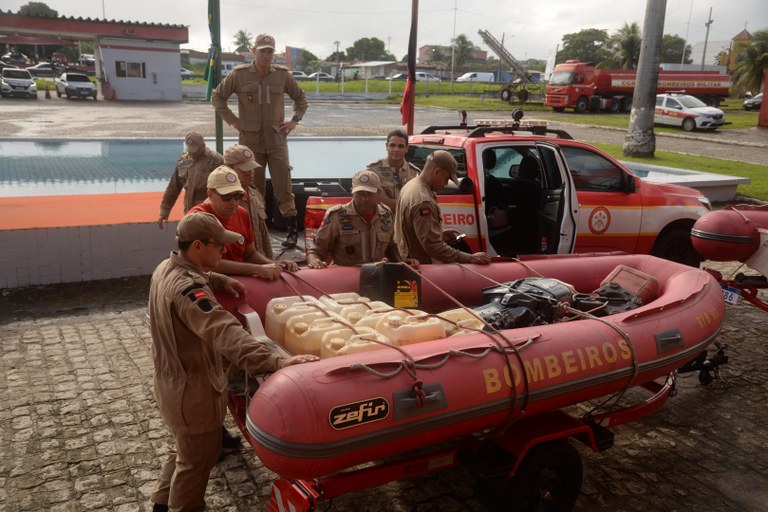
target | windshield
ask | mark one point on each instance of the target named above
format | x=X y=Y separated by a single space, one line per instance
x=561 y=78
x=691 y=102
x=17 y=73
x=77 y=78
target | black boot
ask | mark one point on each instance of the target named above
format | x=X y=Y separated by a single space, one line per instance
x=229 y=440
x=293 y=233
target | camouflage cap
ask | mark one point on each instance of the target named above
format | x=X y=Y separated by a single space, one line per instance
x=204 y=226
x=264 y=41
x=366 y=181
x=444 y=160
x=240 y=156
x=193 y=141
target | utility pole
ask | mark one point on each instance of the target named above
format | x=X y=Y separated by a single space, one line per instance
x=453 y=44
x=706 y=38
x=687 y=28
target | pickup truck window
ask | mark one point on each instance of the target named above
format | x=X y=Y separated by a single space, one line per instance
x=417 y=155
x=591 y=171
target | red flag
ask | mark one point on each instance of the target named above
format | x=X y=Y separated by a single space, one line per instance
x=408 y=103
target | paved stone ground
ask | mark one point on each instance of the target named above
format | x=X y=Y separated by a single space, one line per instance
x=81 y=430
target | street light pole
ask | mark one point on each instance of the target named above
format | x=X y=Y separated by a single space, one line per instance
x=706 y=38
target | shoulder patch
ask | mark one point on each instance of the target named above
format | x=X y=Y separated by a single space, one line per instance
x=193 y=286
x=424 y=211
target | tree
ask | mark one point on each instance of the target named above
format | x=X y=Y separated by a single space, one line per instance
x=750 y=68
x=462 y=50
x=243 y=40
x=336 y=57
x=672 y=50
x=37 y=9
x=640 y=140
x=369 y=48
x=624 y=47
x=588 y=45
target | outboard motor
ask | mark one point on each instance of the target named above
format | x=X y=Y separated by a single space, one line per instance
x=525 y=302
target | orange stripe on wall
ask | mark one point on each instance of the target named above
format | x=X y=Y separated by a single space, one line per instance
x=85 y=210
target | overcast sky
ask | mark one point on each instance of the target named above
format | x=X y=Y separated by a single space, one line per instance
x=531 y=29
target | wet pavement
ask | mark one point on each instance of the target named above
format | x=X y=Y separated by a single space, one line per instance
x=81 y=430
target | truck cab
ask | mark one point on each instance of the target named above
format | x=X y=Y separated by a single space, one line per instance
x=526 y=189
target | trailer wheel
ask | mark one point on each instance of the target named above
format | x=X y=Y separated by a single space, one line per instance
x=581 y=105
x=506 y=94
x=712 y=101
x=676 y=246
x=613 y=107
x=548 y=480
x=626 y=104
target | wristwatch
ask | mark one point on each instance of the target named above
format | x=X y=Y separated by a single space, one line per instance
x=295 y=119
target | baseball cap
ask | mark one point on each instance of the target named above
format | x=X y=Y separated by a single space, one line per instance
x=193 y=141
x=224 y=181
x=240 y=156
x=365 y=181
x=265 y=41
x=444 y=160
x=204 y=226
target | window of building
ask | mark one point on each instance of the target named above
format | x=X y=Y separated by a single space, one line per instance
x=125 y=69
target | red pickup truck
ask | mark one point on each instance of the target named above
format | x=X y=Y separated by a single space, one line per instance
x=527 y=189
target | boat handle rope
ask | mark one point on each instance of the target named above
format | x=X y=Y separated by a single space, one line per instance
x=495 y=336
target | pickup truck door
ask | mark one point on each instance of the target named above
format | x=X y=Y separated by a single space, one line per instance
x=611 y=207
x=560 y=212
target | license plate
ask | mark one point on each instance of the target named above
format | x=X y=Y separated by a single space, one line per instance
x=731 y=295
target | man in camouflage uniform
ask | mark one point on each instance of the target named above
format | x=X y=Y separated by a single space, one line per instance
x=191 y=175
x=419 y=230
x=260 y=120
x=240 y=159
x=191 y=333
x=358 y=232
x=393 y=170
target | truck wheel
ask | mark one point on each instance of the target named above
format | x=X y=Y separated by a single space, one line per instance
x=676 y=246
x=558 y=109
x=626 y=105
x=581 y=105
x=712 y=101
x=689 y=124
x=613 y=107
x=548 y=480
x=506 y=95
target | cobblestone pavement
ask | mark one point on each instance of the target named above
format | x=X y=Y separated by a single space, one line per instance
x=81 y=430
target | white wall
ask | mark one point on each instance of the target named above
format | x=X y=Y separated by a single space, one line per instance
x=162 y=61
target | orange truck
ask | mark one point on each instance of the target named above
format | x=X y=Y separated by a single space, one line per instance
x=527 y=189
x=583 y=87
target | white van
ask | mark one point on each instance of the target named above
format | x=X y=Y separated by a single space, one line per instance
x=476 y=76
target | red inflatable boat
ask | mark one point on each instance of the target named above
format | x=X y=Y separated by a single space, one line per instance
x=736 y=233
x=315 y=419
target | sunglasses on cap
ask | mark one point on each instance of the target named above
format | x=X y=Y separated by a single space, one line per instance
x=229 y=197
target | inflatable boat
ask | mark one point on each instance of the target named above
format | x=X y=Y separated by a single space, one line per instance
x=316 y=419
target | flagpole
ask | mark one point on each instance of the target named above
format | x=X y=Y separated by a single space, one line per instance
x=412 y=61
x=213 y=71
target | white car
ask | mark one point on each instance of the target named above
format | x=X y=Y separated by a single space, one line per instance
x=299 y=75
x=76 y=85
x=688 y=112
x=187 y=74
x=421 y=76
x=17 y=82
x=323 y=77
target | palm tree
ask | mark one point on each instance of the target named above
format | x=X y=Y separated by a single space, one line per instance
x=750 y=69
x=244 y=40
x=625 y=48
x=462 y=49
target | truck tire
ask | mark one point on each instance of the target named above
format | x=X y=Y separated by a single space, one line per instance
x=676 y=246
x=613 y=107
x=506 y=94
x=581 y=105
x=626 y=104
x=712 y=101
x=689 y=124
x=549 y=479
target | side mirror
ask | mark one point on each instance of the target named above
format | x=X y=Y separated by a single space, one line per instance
x=631 y=185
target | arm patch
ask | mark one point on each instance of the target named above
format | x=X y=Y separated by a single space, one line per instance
x=197 y=295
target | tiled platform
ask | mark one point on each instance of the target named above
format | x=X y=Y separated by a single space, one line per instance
x=61 y=239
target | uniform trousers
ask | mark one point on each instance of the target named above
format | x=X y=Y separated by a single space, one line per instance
x=272 y=149
x=184 y=476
